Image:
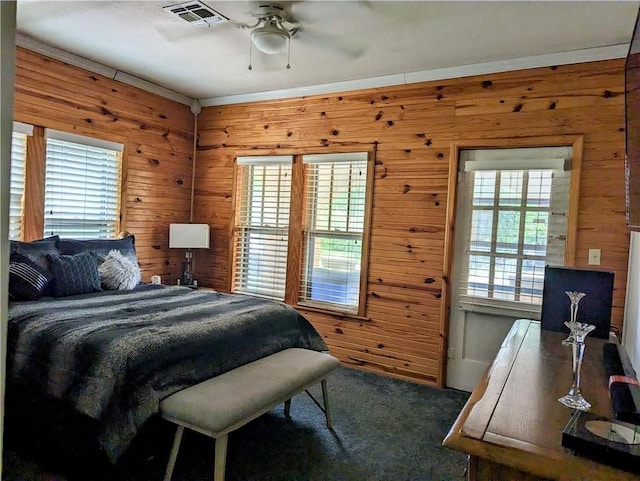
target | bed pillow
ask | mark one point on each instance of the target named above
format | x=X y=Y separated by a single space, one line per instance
x=36 y=251
x=99 y=247
x=27 y=280
x=74 y=274
x=118 y=272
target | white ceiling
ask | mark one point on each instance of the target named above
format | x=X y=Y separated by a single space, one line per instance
x=339 y=41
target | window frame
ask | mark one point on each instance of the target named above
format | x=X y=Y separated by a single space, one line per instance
x=295 y=258
x=87 y=142
x=242 y=222
x=25 y=131
x=309 y=161
x=34 y=190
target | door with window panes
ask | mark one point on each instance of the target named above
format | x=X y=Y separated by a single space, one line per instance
x=511 y=221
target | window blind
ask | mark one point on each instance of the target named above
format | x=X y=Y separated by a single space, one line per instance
x=16 y=185
x=82 y=187
x=261 y=236
x=333 y=234
x=517 y=222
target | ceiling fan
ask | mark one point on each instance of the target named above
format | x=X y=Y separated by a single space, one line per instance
x=271 y=25
x=271 y=34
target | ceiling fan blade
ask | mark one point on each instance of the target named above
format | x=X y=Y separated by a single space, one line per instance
x=311 y=12
x=327 y=42
x=176 y=33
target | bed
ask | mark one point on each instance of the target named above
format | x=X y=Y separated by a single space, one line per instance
x=113 y=355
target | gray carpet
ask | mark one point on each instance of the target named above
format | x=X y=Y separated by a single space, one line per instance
x=384 y=430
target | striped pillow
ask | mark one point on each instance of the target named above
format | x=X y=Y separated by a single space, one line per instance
x=27 y=280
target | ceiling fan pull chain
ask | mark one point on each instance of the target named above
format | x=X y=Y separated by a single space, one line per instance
x=289 y=54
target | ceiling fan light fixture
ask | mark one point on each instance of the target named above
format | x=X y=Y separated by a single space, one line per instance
x=270 y=38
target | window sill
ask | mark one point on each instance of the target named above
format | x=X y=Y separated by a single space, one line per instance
x=499 y=308
x=333 y=313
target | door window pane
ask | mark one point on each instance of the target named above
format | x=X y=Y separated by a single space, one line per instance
x=511 y=187
x=481 y=230
x=484 y=188
x=508 y=232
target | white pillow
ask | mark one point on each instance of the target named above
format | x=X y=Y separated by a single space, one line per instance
x=118 y=272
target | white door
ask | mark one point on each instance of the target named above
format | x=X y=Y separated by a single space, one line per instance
x=511 y=219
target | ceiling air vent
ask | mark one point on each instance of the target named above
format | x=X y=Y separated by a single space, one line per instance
x=196 y=13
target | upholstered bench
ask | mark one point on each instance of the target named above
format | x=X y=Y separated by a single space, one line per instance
x=224 y=403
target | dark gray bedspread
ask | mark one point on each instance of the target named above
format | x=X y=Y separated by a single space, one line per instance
x=115 y=355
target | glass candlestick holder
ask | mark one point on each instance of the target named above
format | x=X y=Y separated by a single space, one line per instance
x=574 y=398
x=574 y=297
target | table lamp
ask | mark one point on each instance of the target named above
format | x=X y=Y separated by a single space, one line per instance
x=188 y=236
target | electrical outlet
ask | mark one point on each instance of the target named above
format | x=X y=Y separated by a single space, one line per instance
x=594 y=257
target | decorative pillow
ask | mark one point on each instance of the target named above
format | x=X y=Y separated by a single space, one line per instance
x=74 y=274
x=100 y=247
x=118 y=273
x=37 y=252
x=27 y=280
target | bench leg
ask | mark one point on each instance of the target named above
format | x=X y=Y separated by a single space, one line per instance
x=220 y=458
x=287 y=408
x=325 y=397
x=174 y=453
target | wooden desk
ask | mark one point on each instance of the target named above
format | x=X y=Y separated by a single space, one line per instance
x=512 y=424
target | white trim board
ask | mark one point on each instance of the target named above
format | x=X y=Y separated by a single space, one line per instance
x=562 y=58
x=547 y=60
x=95 y=67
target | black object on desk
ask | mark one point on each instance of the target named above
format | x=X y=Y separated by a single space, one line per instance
x=600 y=439
x=594 y=308
x=625 y=394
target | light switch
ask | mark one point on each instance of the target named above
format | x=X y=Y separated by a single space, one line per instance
x=594 y=257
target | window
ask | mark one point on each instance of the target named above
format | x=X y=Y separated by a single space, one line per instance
x=315 y=260
x=82 y=186
x=517 y=221
x=262 y=226
x=17 y=177
x=334 y=227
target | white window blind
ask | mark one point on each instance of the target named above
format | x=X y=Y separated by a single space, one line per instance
x=82 y=186
x=262 y=225
x=516 y=224
x=17 y=180
x=333 y=235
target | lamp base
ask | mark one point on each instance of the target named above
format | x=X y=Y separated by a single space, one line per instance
x=187 y=269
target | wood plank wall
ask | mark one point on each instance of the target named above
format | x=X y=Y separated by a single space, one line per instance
x=157 y=134
x=414 y=126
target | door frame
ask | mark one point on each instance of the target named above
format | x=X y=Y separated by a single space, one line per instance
x=575 y=141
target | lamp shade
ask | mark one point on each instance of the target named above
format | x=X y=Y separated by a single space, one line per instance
x=189 y=236
x=269 y=39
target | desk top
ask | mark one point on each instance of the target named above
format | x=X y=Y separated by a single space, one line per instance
x=513 y=416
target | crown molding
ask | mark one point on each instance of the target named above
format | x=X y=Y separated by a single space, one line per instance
x=536 y=61
x=29 y=43
x=562 y=58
